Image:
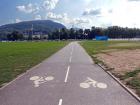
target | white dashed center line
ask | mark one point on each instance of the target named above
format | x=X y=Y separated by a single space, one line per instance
x=68 y=69
x=67 y=74
x=72 y=51
x=60 y=102
x=70 y=59
x=71 y=55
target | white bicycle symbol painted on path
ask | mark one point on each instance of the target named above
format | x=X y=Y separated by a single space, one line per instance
x=40 y=80
x=90 y=82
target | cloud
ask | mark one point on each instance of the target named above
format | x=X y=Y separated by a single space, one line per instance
x=100 y=12
x=49 y=4
x=30 y=8
x=65 y=19
x=80 y=20
x=92 y=12
x=110 y=11
x=38 y=17
x=133 y=0
x=62 y=18
x=18 y=20
x=54 y=16
x=34 y=8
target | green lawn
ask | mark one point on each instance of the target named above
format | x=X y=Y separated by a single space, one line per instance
x=96 y=47
x=17 y=57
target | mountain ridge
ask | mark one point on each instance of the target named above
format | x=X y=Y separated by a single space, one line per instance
x=45 y=26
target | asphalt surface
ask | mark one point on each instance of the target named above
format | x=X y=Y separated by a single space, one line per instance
x=69 y=77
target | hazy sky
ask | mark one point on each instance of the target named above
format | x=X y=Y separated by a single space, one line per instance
x=79 y=13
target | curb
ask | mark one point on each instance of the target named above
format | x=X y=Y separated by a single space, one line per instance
x=120 y=83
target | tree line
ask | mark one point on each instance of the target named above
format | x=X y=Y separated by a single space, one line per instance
x=111 y=32
x=20 y=36
x=73 y=33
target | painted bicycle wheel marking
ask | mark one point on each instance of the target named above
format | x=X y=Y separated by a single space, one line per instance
x=37 y=80
x=90 y=82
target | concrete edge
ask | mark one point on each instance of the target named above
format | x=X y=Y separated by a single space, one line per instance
x=29 y=70
x=121 y=84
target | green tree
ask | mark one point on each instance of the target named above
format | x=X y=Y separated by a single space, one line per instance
x=15 y=35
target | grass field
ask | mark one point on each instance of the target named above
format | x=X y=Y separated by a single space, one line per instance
x=131 y=78
x=17 y=57
x=95 y=47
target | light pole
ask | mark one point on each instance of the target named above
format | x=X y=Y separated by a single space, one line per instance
x=59 y=35
x=32 y=31
x=74 y=31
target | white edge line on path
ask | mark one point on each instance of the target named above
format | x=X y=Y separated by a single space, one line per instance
x=60 y=102
x=66 y=78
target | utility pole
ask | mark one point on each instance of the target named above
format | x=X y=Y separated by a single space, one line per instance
x=83 y=33
x=32 y=28
x=74 y=30
x=59 y=35
x=30 y=32
x=41 y=36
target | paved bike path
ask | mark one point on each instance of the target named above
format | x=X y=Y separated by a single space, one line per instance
x=69 y=77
